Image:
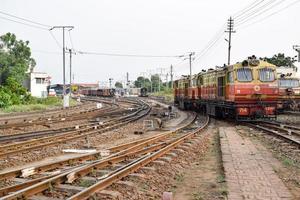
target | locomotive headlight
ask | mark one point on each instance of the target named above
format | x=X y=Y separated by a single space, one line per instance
x=269 y=110
x=243 y=111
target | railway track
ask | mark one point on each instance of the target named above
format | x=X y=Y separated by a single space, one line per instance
x=288 y=133
x=81 y=132
x=63 y=116
x=38 y=115
x=64 y=182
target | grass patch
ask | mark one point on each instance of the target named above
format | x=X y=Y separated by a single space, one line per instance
x=221 y=178
x=179 y=177
x=288 y=162
x=38 y=104
x=167 y=94
x=197 y=196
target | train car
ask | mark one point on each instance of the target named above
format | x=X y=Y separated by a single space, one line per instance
x=107 y=92
x=289 y=90
x=244 y=91
x=143 y=92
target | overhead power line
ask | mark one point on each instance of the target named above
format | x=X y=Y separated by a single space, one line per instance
x=270 y=15
x=247 y=8
x=255 y=11
x=27 y=20
x=257 y=14
x=128 y=55
x=26 y=24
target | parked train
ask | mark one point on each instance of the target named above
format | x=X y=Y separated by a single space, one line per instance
x=289 y=89
x=109 y=92
x=245 y=91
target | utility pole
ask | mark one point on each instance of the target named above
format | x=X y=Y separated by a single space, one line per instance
x=167 y=83
x=190 y=58
x=297 y=48
x=66 y=99
x=230 y=30
x=110 y=82
x=70 y=52
x=159 y=75
x=171 y=74
x=127 y=80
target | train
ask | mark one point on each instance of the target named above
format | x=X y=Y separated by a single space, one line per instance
x=244 y=91
x=111 y=92
x=289 y=90
x=107 y=92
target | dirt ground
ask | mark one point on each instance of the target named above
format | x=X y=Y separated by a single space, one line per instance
x=204 y=178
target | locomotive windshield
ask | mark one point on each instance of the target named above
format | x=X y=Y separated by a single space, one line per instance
x=244 y=74
x=266 y=75
x=292 y=83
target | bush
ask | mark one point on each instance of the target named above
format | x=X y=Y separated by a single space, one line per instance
x=5 y=99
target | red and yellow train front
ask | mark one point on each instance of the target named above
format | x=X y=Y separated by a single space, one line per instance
x=253 y=89
x=289 y=94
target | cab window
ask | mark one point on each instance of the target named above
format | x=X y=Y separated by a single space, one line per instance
x=289 y=83
x=244 y=74
x=266 y=75
x=230 y=77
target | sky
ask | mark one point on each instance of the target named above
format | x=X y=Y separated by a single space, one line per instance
x=151 y=27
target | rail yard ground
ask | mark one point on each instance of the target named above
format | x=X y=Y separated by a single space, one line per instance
x=130 y=149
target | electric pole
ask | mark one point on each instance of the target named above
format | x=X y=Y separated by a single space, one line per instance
x=66 y=99
x=71 y=52
x=297 y=48
x=171 y=74
x=110 y=82
x=127 y=80
x=230 y=30
x=159 y=75
x=190 y=58
x=167 y=83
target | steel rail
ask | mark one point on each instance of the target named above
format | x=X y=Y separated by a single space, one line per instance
x=268 y=129
x=51 y=140
x=115 y=158
x=132 y=167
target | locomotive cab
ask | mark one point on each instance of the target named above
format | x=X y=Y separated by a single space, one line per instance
x=253 y=88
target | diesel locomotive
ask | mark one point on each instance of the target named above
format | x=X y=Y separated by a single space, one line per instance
x=245 y=91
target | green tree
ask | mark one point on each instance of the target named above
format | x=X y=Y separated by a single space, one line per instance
x=118 y=85
x=15 y=58
x=281 y=60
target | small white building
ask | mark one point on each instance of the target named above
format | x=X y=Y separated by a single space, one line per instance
x=37 y=84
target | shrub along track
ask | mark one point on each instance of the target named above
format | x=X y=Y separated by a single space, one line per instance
x=130 y=157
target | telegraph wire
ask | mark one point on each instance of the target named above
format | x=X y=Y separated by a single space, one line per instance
x=257 y=10
x=56 y=41
x=128 y=55
x=249 y=18
x=247 y=8
x=71 y=41
x=270 y=15
x=26 y=24
x=27 y=20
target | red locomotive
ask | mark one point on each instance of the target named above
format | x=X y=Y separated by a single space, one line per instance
x=244 y=91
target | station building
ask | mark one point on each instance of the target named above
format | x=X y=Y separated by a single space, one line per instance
x=37 y=84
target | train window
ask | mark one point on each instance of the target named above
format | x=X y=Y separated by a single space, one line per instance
x=266 y=75
x=289 y=83
x=244 y=74
x=230 y=77
x=194 y=82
